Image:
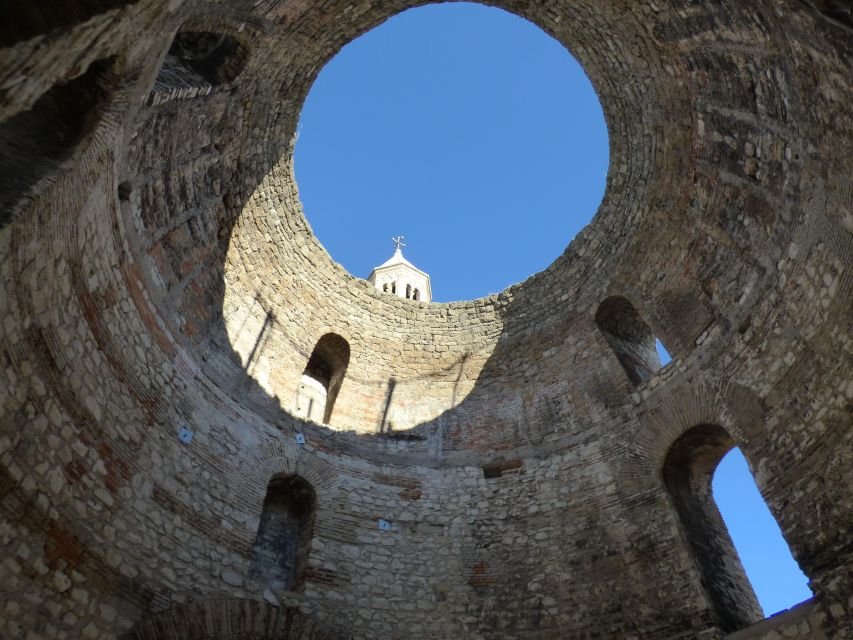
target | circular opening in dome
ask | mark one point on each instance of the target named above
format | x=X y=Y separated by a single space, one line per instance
x=464 y=128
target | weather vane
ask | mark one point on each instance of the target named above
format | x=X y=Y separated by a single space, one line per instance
x=398 y=241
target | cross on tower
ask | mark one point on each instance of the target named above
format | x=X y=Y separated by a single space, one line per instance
x=398 y=241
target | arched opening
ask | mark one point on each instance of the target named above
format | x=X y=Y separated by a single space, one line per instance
x=688 y=472
x=416 y=295
x=322 y=378
x=629 y=337
x=197 y=63
x=280 y=551
x=408 y=292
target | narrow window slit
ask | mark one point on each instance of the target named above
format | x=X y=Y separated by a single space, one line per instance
x=635 y=346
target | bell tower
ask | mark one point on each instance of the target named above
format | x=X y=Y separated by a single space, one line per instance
x=400 y=277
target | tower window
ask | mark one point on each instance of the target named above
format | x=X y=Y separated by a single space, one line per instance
x=393 y=287
x=408 y=292
x=416 y=295
x=280 y=551
x=630 y=338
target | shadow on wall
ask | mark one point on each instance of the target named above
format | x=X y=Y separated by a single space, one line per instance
x=39 y=18
x=513 y=402
x=218 y=58
x=502 y=405
x=38 y=141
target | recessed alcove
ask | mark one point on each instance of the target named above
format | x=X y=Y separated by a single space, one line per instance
x=281 y=546
x=197 y=64
x=36 y=142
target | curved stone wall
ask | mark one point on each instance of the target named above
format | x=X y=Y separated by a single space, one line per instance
x=490 y=470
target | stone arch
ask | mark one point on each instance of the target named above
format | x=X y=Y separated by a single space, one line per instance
x=661 y=142
x=274 y=458
x=687 y=473
x=674 y=410
x=231 y=619
x=684 y=431
x=322 y=378
x=283 y=540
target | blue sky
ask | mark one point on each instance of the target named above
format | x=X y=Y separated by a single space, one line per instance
x=775 y=576
x=479 y=138
x=463 y=128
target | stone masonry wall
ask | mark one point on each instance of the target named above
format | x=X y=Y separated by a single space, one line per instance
x=143 y=261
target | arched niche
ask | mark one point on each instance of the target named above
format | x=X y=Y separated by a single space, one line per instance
x=38 y=141
x=322 y=378
x=280 y=550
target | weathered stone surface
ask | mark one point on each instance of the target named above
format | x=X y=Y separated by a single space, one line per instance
x=517 y=464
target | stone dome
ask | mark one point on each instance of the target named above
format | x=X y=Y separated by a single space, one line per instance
x=513 y=467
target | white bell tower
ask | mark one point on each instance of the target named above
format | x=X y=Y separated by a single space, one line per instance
x=400 y=277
